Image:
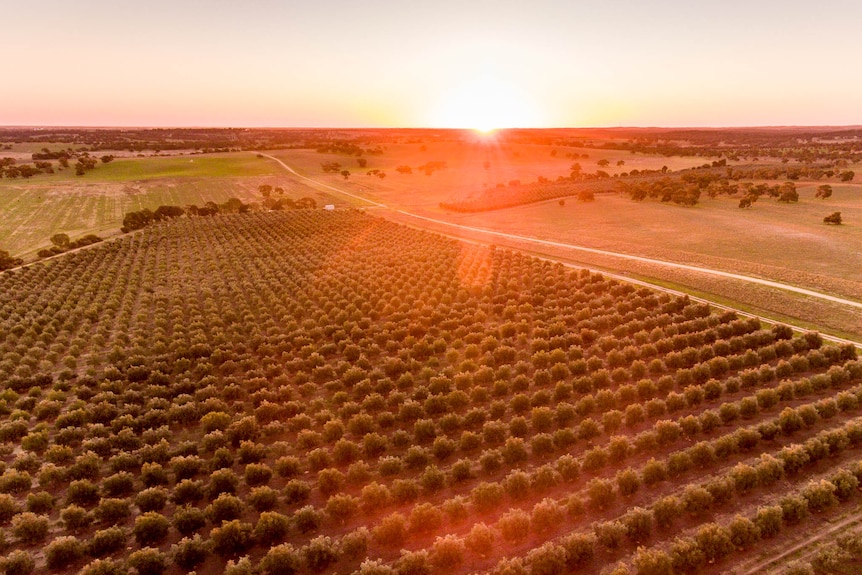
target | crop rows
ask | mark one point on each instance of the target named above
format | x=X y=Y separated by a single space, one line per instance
x=330 y=392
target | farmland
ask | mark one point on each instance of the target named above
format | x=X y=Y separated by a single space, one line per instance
x=35 y=209
x=783 y=241
x=331 y=392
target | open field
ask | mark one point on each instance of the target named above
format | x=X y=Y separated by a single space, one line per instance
x=330 y=392
x=35 y=209
x=465 y=174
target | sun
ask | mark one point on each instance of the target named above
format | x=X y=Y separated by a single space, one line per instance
x=485 y=104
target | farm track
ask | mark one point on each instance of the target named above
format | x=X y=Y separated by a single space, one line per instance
x=550 y=243
x=766 y=565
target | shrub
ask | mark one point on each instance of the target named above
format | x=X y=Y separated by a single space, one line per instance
x=743 y=532
x=696 y=500
x=189 y=553
x=296 y=491
x=82 y=492
x=638 y=523
x=611 y=534
x=425 y=518
x=406 y=490
x=150 y=528
x=119 y=484
x=480 y=540
x=341 y=507
x=75 y=518
x=330 y=481
x=63 y=551
x=104 y=567
x=628 y=481
x=287 y=467
x=280 y=560
x=152 y=499
x=354 y=545
x=30 y=528
x=106 y=541
x=231 y=538
x=546 y=515
x=714 y=541
x=820 y=495
x=794 y=508
x=224 y=508
x=549 y=559
x=486 y=496
x=447 y=553
x=187 y=491
x=320 y=553
x=271 y=527
x=112 y=511
x=18 y=562
x=307 y=519
x=686 y=556
x=188 y=519
x=392 y=530
x=666 y=510
x=653 y=562
x=580 y=549
x=41 y=502
x=222 y=481
x=263 y=498
x=455 y=509
x=8 y=507
x=768 y=520
x=148 y=561
x=257 y=474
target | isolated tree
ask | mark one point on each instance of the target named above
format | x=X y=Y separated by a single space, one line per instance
x=345 y=174
x=847 y=176
x=823 y=191
x=833 y=218
x=62 y=241
x=787 y=193
x=603 y=163
x=265 y=190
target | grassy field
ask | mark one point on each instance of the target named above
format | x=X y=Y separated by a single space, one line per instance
x=35 y=209
x=466 y=173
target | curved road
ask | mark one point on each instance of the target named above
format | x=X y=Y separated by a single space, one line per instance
x=672 y=265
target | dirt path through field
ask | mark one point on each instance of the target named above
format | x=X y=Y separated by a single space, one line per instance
x=763 y=565
x=551 y=243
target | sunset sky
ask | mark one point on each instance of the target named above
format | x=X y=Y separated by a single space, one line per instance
x=437 y=63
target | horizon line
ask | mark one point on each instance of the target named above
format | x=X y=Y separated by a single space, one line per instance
x=464 y=129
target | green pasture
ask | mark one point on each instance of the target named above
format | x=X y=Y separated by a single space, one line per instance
x=32 y=210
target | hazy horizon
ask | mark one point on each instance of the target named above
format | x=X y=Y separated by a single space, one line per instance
x=383 y=64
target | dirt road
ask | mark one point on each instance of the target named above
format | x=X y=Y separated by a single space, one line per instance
x=550 y=243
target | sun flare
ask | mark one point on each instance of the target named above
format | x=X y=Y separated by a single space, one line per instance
x=485 y=104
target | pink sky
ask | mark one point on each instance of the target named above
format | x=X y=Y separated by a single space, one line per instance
x=430 y=63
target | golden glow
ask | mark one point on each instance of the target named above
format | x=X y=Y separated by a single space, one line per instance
x=485 y=104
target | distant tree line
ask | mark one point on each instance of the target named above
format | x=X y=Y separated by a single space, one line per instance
x=11 y=170
x=62 y=243
x=142 y=218
x=348 y=148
